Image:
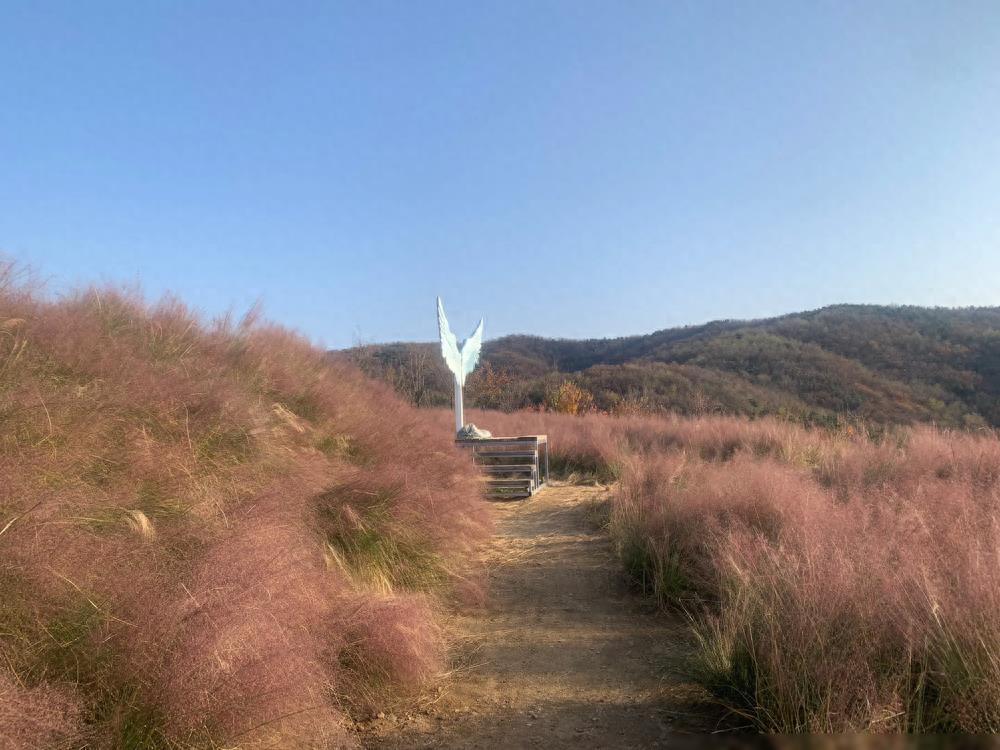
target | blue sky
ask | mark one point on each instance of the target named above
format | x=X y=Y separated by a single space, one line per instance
x=567 y=169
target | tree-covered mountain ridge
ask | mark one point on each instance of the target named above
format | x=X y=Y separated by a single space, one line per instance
x=893 y=364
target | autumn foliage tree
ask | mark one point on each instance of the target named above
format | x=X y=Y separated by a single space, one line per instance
x=493 y=388
x=569 y=398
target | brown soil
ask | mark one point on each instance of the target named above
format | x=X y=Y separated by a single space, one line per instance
x=563 y=655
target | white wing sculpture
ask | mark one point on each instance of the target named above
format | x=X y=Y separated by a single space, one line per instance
x=461 y=360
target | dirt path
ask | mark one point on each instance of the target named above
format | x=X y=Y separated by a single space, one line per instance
x=563 y=655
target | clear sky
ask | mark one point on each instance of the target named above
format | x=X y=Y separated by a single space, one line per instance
x=563 y=168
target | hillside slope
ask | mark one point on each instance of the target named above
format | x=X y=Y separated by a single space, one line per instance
x=887 y=364
x=210 y=535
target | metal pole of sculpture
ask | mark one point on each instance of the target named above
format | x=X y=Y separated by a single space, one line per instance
x=461 y=360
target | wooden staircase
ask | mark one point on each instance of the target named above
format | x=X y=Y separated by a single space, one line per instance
x=513 y=467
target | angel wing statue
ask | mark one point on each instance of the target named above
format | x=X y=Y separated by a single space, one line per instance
x=461 y=359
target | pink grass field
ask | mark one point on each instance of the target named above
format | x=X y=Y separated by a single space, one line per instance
x=212 y=536
x=841 y=581
x=209 y=535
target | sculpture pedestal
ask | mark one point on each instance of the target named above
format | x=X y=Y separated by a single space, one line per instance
x=459 y=410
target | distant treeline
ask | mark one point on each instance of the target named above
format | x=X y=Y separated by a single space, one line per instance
x=877 y=363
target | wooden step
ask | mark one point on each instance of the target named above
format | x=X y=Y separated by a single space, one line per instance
x=508 y=468
x=501 y=488
x=497 y=483
x=473 y=443
x=506 y=454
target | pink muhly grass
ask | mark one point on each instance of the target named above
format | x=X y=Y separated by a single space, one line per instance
x=837 y=581
x=857 y=594
x=393 y=643
x=46 y=716
x=173 y=545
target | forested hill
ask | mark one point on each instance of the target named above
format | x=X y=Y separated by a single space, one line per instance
x=888 y=364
